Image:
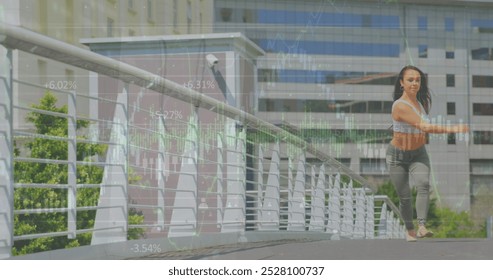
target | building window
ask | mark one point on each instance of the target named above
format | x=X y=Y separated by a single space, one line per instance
x=150 y=10
x=301 y=18
x=109 y=27
x=358 y=107
x=449 y=54
x=375 y=107
x=449 y=24
x=481 y=171
x=42 y=72
x=344 y=161
x=482 y=109
x=373 y=166
x=175 y=14
x=189 y=17
x=481 y=166
x=481 y=185
x=423 y=51
x=482 y=25
x=482 y=54
x=451 y=139
x=422 y=23
x=483 y=137
x=450 y=108
x=450 y=80
x=268 y=75
x=225 y=14
x=326 y=77
x=328 y=135
x=366 y=20
x=480 y=81
x=324 y=106
x=349 y=48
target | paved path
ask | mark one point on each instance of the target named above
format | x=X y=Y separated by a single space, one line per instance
x=424 y=249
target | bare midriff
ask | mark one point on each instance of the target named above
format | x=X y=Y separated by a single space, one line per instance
x=408 y=141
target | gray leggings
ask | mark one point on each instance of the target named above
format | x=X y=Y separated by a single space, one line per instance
x=403 y=165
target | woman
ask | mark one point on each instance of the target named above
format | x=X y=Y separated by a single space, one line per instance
x=406 y=155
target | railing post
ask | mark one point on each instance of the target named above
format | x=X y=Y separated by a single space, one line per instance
x=260 y=186
x=395 y=231
x=334 y=207
x=382 y=225
x=296 y=216
x=370 y=217
x=347 y=227
x=489 y=227
x=318 y=203
x=161 y=175
x=235 y=212
x=111 y=223
x=220 y=180
x=72 y=165
x=269 y=218
x=360 y=206
x=6 y=155
x=184 y=213
x=390 y=225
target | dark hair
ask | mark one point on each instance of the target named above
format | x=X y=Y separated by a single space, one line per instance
x=423 y=96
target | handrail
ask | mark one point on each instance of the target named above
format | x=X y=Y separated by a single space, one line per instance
x=349 y=212
x=15 y=37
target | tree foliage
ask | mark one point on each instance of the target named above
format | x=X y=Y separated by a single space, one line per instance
x=444 y=222
x=27 y=172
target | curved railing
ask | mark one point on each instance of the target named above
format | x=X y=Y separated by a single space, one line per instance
x=212 y=174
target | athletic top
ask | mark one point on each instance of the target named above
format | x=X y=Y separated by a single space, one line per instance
x=405 y=127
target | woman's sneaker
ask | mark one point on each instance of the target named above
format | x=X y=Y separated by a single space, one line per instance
x=423 y=232
x=411 y=235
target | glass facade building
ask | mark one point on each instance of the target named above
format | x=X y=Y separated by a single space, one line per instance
x=330 y=68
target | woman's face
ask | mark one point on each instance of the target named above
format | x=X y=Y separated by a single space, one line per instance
x=411 y=82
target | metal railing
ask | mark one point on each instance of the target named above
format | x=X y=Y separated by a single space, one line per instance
x=210 y=169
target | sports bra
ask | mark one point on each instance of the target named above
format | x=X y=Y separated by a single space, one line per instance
x=405 y=127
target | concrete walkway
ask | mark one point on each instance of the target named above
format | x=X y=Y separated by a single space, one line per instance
x=424 y=249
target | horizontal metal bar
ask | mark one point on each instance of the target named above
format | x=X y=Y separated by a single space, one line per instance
x=40 y=211
x=97 y=142
x=100 y=99
x=80 y=186
x=42 y=136
x=58 y=233
x=41 y=160
x=108 y=122
x=79 y=231
x=142 y=187
x=147 y=226
x=144 y=206
x=43 y=112
x=95 y=163
x=40 y=186
x=44 y=87
x=58 y=210
x=91 y=208
x=143 y=148
x=39 y=235
x=144 y=129
x=148 y=169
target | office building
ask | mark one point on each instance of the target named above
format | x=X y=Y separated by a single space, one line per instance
x=330 y=68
